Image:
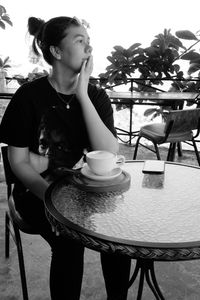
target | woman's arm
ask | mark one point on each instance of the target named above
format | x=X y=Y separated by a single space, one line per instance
x=101 y=137
x=26 y=166
x=39 y=162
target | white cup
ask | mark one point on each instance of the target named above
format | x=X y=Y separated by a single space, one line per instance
x=103 y=162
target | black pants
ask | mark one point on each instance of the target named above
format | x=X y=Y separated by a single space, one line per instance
x=67 y=257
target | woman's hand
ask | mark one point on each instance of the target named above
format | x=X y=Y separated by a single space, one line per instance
x=84 y=76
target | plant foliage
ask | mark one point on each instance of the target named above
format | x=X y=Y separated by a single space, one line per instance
x=4 y=18
x=4 y=63
x=149 y=67
x=153 y=64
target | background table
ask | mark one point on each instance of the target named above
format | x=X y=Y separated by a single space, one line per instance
x=156 y=219
x=7 y=93
x=172 y=99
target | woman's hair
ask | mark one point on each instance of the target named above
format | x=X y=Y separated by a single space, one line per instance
x=49 y=33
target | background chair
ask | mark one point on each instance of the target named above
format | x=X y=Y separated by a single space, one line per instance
x=14 y=223
x=179 y=126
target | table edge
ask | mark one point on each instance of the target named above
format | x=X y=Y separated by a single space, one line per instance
x=164 y=245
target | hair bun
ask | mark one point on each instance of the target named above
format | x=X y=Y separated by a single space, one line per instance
x=34 y=25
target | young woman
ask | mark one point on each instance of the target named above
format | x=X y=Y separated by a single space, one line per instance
x=49 y=123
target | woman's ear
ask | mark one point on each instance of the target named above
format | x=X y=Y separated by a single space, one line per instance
x=55 y=51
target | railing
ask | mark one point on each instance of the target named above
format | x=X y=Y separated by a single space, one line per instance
x=142 y=82
x=128 y=102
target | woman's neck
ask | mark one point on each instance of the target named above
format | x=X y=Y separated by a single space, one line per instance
x=62 y=83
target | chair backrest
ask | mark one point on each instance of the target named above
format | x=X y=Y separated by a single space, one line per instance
x=10 y=180
x=182 y=120
x=9 y=175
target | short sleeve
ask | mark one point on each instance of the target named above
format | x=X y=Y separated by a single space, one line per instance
x=17 y=121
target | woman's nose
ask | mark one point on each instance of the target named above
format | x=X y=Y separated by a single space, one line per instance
x=89 y=49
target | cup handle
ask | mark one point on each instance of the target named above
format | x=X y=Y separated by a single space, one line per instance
x=120 y=160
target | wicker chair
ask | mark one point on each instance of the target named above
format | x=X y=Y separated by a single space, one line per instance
x=179 y=126
x=14 y=224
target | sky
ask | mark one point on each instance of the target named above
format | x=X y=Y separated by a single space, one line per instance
x=111 y=23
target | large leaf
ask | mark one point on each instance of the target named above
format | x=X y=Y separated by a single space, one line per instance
x=179 y=74
x=111 y=59
x=176 y=68
x=6 y=18
x=2 y=25
x=6 y=59
x=139 y=51
x=110 y=67
x=186 y=35
x=176 y=43
x=155 y=43
x=195 y=61
x=151 y=51
x=119 y=48
x=113 y=76
x=134 y=46
x=191 y=55
x=4 y=63
x=193 y=68
x=137 y=59
x=2 y=10
x=6 y=66
x=175 y=53
x=127 y=53
x=104 y=75
x=149 y=111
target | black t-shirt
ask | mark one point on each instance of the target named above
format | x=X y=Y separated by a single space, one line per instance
x=37 y=118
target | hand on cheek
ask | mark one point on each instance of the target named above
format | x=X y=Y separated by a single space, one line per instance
x=87 y=66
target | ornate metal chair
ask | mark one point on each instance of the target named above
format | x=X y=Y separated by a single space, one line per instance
x=179 y=126
x=14 y=223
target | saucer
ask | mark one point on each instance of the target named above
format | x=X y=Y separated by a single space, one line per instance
x=86 y=171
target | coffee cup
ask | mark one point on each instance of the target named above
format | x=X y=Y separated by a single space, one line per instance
x=103 y=162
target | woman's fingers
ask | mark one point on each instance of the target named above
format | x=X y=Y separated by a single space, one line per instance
x=87 y=65
x=54 y=229
x=84 y=76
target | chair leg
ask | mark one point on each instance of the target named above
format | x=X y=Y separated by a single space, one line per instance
x=179 y=148
x=17 y=239
x=157 y=151
x=7 y=235
x=196 y=151
x=155 y=146
x=171 y=152
x=21 y=262
x=136 y=148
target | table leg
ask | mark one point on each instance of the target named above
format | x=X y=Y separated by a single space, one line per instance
x=130 y=124
x=171 y=152
x=179 y=148
x=146 y=268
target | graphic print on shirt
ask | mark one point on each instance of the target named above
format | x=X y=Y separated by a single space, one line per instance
x=53 y=138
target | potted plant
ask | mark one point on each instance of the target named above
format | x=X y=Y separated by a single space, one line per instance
x=3 y=71
x=4 y=19
x=31 y=76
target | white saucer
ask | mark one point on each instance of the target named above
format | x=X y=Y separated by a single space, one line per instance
x=86 y=171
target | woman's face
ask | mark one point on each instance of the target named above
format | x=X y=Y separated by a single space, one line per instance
x=75 y=48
